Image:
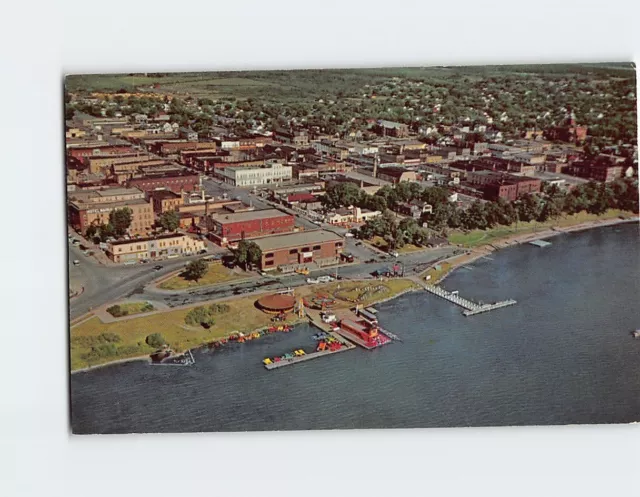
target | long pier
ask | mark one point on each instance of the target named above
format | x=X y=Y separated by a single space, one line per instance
x=470 y=308
x=346 y=345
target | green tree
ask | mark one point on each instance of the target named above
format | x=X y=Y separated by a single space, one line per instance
x=120 y=219
x=254 y=254
x=155 y=340
x=528 y=208
x=169 y=220
x=200 y=315
x=247 y=254
x=196 y=270
x=341 y=195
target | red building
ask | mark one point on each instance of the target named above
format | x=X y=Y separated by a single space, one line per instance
x=292 y=250
x=175 y=183
x=82 y=152
x=511 y=187
x=232 y=227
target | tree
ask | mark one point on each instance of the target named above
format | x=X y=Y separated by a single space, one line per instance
x=390 y=196
x=91 y=231
x=106 y=231
x=120 y=219
x=195 y=270
x=528 y=208
x=69 y=112
x=341 y=195
x=247 y=254
x=200 y=315
x=155 y=340
x=169 y=220
x=475 y=217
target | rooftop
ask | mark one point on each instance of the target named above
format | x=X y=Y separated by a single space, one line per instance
x=277 y=242
x=148 y=238
x=239 y=217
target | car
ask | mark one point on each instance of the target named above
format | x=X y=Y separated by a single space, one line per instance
x=394 y=254
x=76 y=262
x=203 y=251
x=369 y=261
x=348 y=234
x=157 y=268
x=358 y=244
x=312 y=281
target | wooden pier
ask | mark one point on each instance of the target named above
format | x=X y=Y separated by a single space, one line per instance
x=470 y=308
x=346 y=345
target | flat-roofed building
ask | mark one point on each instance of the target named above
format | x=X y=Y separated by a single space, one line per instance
x=165 y=200
x=289 y=251
x=226 y=228
x=93 y=207
x=257 y=176
x=157 y=247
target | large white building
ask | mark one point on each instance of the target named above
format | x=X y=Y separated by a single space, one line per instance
x=257 y=176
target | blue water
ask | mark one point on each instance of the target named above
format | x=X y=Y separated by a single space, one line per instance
x=562 y=355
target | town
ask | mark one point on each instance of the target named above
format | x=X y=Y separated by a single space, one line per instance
x=355 y=175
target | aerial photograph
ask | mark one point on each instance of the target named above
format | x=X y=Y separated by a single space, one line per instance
x=330 y=249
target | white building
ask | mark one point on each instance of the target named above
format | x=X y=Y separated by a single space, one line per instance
x=257 y=176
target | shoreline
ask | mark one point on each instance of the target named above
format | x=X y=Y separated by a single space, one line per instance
x=470 y=256
x=515 y=239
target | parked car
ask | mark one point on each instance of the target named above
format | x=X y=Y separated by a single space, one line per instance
x=157 y=268
x=203 y=251
x=76 y=262
x=394 y=254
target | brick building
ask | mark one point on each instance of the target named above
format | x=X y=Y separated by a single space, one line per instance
x=106 y=149
x=176 y=183
x=94 y=206
x=600 y=170
x=292 y=250
x=165 y=200
x=390 y=128
x=510 y=187
x=227 y=228
x=396 y=174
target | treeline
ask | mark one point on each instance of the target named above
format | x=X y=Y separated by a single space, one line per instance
x=592 y=197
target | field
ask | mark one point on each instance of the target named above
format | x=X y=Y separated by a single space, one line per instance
x=364 y=292
x=217 y=273
x=242 y=316
x=479 y=237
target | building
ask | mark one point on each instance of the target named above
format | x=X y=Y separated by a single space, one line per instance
x=599 y=170
x=296 y=138
x=165 y=200
x=158 y=247
x=177 y=183
x=390 y=128
x=396 y=174
x=188 y=134
x=257 y=176
x=92 y=207
x=231 y=227
x=502 y=185
x=569 y=131
x=83 y=152
x=414 y=209
x=344 y=216
x=293 y=250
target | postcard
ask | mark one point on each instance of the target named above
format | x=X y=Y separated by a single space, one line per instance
x=351 y=249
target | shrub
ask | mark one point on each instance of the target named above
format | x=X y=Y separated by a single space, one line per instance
x=130 y=350
x=219 y=308
x=200 y=315
x=116 y=311
x=155 y=340
x=147 y=307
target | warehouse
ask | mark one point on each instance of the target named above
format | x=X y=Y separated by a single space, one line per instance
x=234 y=226
x=295 y=250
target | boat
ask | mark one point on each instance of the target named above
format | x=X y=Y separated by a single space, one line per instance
x=636 y=333
x=267 y=361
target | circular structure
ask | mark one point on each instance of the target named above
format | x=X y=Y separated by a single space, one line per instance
x=277 y=303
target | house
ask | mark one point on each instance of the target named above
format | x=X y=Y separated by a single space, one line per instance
x=344 y=216
x=414 y=209
x=188 y=134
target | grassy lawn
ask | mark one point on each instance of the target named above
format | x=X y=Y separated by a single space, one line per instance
x=367 y=292
x=217 y=273
x=437 y=274
x=242 y=316
x=480 y=237
x=134 y=308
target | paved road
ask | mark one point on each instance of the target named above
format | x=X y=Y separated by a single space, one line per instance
x=412 y=263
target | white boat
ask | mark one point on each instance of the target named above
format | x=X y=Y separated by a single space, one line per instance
x=636 y=333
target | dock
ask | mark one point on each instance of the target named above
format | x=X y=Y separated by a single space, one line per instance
x=346 y=345
x=540 y=243
x=470 y=308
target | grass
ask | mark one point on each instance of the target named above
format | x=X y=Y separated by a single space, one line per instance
x=437 y=274
x=216 y=273
x=242 y=316
x=343 y=291
x=131 y=308
x=483 y=237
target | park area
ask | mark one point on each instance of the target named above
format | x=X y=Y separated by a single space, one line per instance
x=381 y=243
x=216 y=273
x=476 y=238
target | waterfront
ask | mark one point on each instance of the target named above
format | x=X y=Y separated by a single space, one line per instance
x=562 y=355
